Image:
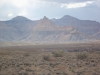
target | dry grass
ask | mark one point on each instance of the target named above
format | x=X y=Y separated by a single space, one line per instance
x=47 y=63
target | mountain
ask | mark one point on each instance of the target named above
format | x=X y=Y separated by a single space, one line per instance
x=85 y=26
x=16 y=28
x=7 y=32
x=44 y=24
x=46 y=30
x=65 y=29
x=21 y=23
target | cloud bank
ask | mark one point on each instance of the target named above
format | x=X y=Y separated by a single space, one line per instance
x=67 y=1
x=36 y=9
x=77 y=5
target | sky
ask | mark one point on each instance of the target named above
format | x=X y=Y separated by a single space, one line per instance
x=37 y=9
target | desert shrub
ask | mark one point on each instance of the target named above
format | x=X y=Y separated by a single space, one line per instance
x=27 y=64
x=4 y=53
x=23 y=73
x=26 y=54
x=46 y=57
x=81 y=56
x=59 y=53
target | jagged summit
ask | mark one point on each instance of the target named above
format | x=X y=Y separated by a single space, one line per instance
x=44 y=24
x=47 y=25
x=45 y=18
x=20 y=18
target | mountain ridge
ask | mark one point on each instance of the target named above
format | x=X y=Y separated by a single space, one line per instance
x=65 y=29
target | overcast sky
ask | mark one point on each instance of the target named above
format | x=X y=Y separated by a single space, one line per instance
x=36 y=9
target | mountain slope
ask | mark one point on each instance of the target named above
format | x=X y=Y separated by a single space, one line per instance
x=65 y=29
x=47 y=31
x=85 y=26
x=16 y=28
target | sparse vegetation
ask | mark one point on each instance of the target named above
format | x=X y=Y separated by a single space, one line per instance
x=49 y=63
x=26 y=54
x=46 y=57
x=58 y=53
x=81 y=56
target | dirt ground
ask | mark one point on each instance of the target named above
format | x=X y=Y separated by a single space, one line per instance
x=62 y=59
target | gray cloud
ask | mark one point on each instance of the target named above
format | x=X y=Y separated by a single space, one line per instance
x=67 y=1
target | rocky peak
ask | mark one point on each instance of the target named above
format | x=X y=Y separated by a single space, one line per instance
x=45 y=22
x=45 y=18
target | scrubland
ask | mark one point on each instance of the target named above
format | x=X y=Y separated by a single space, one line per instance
x=58 y=62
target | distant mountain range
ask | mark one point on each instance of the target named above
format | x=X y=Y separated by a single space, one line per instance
x=65 y=29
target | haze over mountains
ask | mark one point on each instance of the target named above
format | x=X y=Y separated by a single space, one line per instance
x=65 y=29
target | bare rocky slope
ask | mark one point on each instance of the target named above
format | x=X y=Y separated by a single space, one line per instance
x=65 y=29
x=85 y=26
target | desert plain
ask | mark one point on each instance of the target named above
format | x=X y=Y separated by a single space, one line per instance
x=52 y=59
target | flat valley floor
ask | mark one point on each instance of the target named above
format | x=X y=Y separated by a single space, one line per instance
x=54 y=59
